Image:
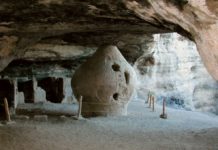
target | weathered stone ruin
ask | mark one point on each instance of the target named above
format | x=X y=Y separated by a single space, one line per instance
x=106 y=82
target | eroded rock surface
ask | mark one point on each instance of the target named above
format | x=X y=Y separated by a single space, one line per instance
x=106 y=82
x=196 y=19
x=88 y=22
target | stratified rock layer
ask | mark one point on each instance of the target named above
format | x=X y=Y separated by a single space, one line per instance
x=78 y=22
x=106 y=82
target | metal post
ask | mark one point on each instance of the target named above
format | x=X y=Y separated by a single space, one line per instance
x=164 y=103
x=164 y=115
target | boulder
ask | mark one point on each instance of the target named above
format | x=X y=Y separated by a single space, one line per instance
x=106 y=82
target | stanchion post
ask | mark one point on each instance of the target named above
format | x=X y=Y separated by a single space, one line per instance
x=164 y=115
x=80 y=107
x=152 y=103
x=150 y=99
x=7 y=113
x=146 y=102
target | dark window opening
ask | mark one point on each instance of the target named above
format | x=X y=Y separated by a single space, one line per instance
x=116 y=67
x=53 y=88
x=27 y=89
x=116 y=96
x=127 y=77
x=6 y=91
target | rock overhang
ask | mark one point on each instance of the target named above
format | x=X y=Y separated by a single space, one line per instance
x=35 y=21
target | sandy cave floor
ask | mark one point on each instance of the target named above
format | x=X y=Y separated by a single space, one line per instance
x=140 y=130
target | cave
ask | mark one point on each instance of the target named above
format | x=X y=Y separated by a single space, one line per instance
x=6 y=91
x=109 y=74
x=27 y=88
x=53 y=87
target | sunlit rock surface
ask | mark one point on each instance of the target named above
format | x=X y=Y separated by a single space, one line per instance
x=195 y=19
x=174 y=69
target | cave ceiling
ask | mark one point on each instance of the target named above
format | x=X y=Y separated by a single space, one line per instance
x=46 y=30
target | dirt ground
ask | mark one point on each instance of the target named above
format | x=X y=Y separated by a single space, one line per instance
x=140 y=130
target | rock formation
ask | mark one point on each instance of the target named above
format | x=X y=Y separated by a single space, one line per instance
x=66 y=22
x=195 y=19
x=50 y=38
x=106 y=82
x=172 y=68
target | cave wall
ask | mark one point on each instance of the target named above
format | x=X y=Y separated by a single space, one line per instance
x=65 y=40
x=195 y=19
x=178 y=73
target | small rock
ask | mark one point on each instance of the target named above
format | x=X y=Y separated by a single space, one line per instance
x=78 y=118
x=22 y=117
x=8 y=122
x=63 y=118
x=41 y=117
x=106 y=70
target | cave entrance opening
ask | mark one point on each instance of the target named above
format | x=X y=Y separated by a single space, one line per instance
x=54 y=88
x=6 y=91
x=27 y=88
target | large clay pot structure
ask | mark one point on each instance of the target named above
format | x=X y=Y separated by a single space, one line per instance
x=106 y=82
